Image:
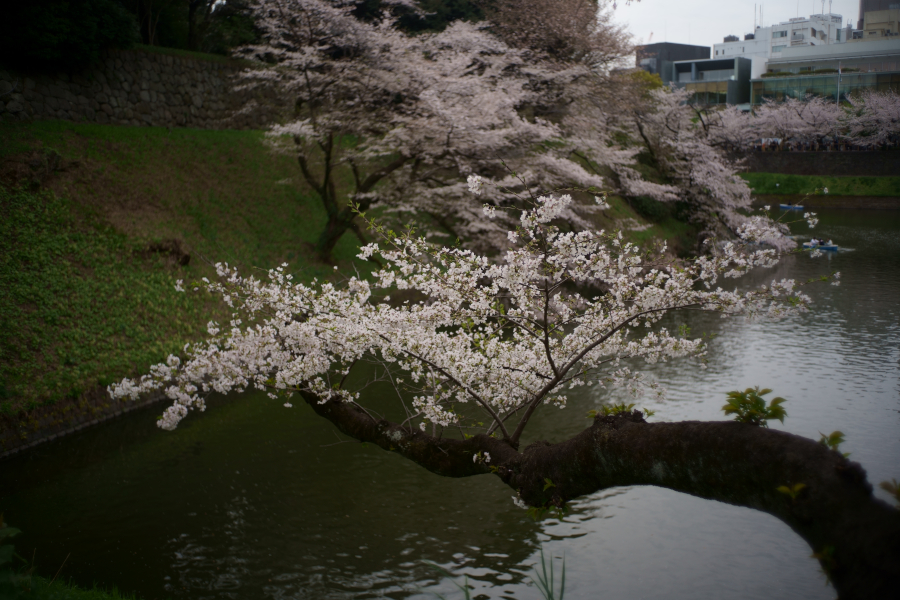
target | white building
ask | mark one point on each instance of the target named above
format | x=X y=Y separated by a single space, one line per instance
x=769 y=42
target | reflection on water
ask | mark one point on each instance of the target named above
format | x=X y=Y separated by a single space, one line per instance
x=254 y=501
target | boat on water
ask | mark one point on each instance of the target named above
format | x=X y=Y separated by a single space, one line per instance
x=790 y=207
x=815 y=244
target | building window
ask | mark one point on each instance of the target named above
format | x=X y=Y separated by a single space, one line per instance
x=777 y=48
x=779 y=34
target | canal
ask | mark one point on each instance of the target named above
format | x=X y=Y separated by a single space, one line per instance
x=251 y=500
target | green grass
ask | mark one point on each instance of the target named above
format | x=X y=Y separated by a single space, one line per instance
x=40 y=588
x=81 y=305
x=776 y=183
x=652 y=221
x=82 y=301
x=223 y=193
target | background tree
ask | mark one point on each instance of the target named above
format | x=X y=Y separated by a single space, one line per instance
x=396 y=120
x=868 y=119
x=216 y=26
x=873 y=119
x=565 y=30
x=228 y=26
x=66 y=35
x=678 y=139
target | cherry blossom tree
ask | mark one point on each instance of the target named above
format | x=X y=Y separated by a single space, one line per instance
x=481 y=350
x=396 y=122
x=870 y=119
x=393 y=120
x=873 y=118
x=805 y=121
x=680 y=140
x=579 y=31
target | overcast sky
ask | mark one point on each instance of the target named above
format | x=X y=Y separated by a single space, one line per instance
x=706 y=22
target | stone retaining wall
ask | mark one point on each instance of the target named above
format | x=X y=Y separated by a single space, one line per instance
x=69 y=415
x=142 y=87
x=873 y=163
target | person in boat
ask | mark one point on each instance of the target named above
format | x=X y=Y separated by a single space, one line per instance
x=814 y=242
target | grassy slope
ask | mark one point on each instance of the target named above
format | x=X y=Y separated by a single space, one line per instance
x=644 y=221
x=40 y=588
x=775 y=183
x=84 y=303
x=643 y=229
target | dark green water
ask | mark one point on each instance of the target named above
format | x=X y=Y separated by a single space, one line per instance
x=254 y=501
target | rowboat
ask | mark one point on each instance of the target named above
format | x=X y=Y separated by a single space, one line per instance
x=817 y=245
x=790 y=207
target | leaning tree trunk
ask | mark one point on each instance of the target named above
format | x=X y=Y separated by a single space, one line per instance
x=338 y=224
x=855 y=536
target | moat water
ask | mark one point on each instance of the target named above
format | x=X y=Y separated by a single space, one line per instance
x=254 y=501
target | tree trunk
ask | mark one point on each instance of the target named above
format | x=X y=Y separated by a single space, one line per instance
x=338 y=224
x=855 y=536
x=193 y=43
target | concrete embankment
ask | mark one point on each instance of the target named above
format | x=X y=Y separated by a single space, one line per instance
x=46 y=423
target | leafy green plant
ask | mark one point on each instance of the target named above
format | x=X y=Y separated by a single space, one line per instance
x=537 y=512
x=825 y=556
x=545 y=578
x=750 y=407
x=833 y=440
x=14 y=582
x=464 y=588
x=617 y=410
x=6 y=550
x=612 y=409
x=891 y=487
x=545 y=582
x=792 y=491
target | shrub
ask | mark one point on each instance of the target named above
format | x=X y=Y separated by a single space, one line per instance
x=650 y=209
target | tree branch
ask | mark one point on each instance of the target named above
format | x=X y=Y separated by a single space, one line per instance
x=855 y=536
x=380 y=174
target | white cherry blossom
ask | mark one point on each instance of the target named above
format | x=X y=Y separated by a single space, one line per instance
x=500 y=338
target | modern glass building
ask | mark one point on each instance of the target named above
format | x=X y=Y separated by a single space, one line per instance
x=659 y=58
x=825 y=86
x=814 y=71
x=715 y=81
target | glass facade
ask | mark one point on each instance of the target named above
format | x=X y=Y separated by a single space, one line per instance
x=714 y=92
x=873 y=65
x=826 y=86
x=716 y=75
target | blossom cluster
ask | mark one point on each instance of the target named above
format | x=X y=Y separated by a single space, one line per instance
x=870 y=118
x=503 y=337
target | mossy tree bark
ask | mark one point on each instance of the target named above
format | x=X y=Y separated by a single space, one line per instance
x=855 y=536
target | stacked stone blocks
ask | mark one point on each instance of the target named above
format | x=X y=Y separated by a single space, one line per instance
x=138 y=87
